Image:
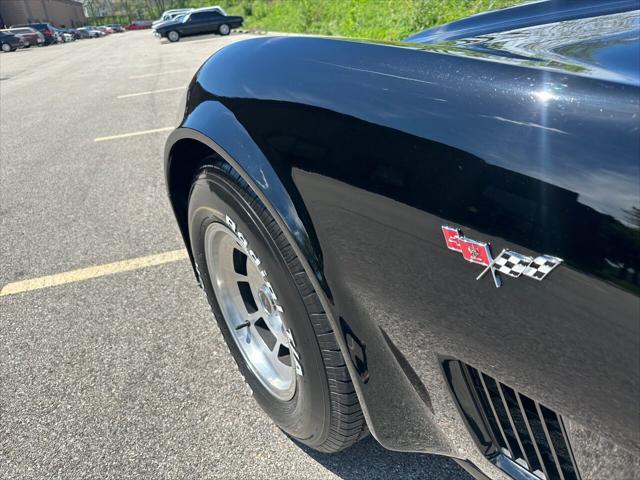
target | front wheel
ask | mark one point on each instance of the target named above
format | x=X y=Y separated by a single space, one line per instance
x=6 y=47
x=224 y=29
x=173 y=36
x=270 y=314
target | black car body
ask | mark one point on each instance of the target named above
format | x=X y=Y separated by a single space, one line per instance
x=520 y=129
x=199 y=22
x=46 y=29
x=9 y=42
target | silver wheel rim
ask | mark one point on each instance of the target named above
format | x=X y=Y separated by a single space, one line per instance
x=224 y=29
x=248 y=308
x=5 y=47
x=173 y=36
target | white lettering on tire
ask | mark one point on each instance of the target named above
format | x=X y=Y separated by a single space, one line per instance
x=256 y=260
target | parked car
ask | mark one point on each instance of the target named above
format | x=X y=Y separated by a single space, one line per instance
x=104 y=29
x=29 y=36
x=63 y=36
x=435 y=243
x=76 y=34
x=88 y=32
x=9 y=42
x=116 y=28
x=169 y=15
x=199 y=22
x=179 y=17
x=46 y=29
x=80 y=34
x=139 y=25
x=98 y=30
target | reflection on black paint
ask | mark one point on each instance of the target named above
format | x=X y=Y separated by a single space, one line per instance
x=446 y=182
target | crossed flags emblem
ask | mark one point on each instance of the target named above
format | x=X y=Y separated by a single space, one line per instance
x=507 y=262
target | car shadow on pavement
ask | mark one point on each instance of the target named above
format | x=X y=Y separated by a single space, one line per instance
x=367 y=459
x=199 y=38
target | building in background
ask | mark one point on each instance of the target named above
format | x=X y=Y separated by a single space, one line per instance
x=61 y=13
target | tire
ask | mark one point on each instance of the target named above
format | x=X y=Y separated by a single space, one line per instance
x=6 y=47
x=224 y=29
x=173 y=36
x=319 y=407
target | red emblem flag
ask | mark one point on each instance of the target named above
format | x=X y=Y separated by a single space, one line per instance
x=475 y=252
x=452 y=237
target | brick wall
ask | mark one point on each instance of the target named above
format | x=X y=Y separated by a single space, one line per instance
x=59 y=12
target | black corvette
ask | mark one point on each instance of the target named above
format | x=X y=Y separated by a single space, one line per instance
x=436 y=241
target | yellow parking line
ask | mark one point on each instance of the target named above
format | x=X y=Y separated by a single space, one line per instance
x=162 y=73
x=92 y=272
x=150 y=92
x=132 y=134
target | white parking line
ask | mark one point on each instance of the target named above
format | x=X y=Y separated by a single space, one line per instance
x=129 y=95
x=162 y=73
x=132 y=134
x=92 y=272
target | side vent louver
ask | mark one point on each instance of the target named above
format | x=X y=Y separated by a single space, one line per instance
x=521 y=430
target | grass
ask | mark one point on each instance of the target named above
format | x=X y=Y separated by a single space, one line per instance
x=374 y=19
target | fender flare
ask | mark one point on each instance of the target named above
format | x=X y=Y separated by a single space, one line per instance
x=397 y=411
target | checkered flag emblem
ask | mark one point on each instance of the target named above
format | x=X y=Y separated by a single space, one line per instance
x=512 y=263
x=515 y=264
x=542 y=266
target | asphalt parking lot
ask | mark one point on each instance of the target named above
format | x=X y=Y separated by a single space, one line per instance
x=119 y=371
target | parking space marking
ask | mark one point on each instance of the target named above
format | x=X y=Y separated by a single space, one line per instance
x=92 y=272
x=146 y=75
x=132 y=134
x=150 y=92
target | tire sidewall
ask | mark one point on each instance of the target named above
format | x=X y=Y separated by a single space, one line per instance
x=306 y=416
x=175 y=38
